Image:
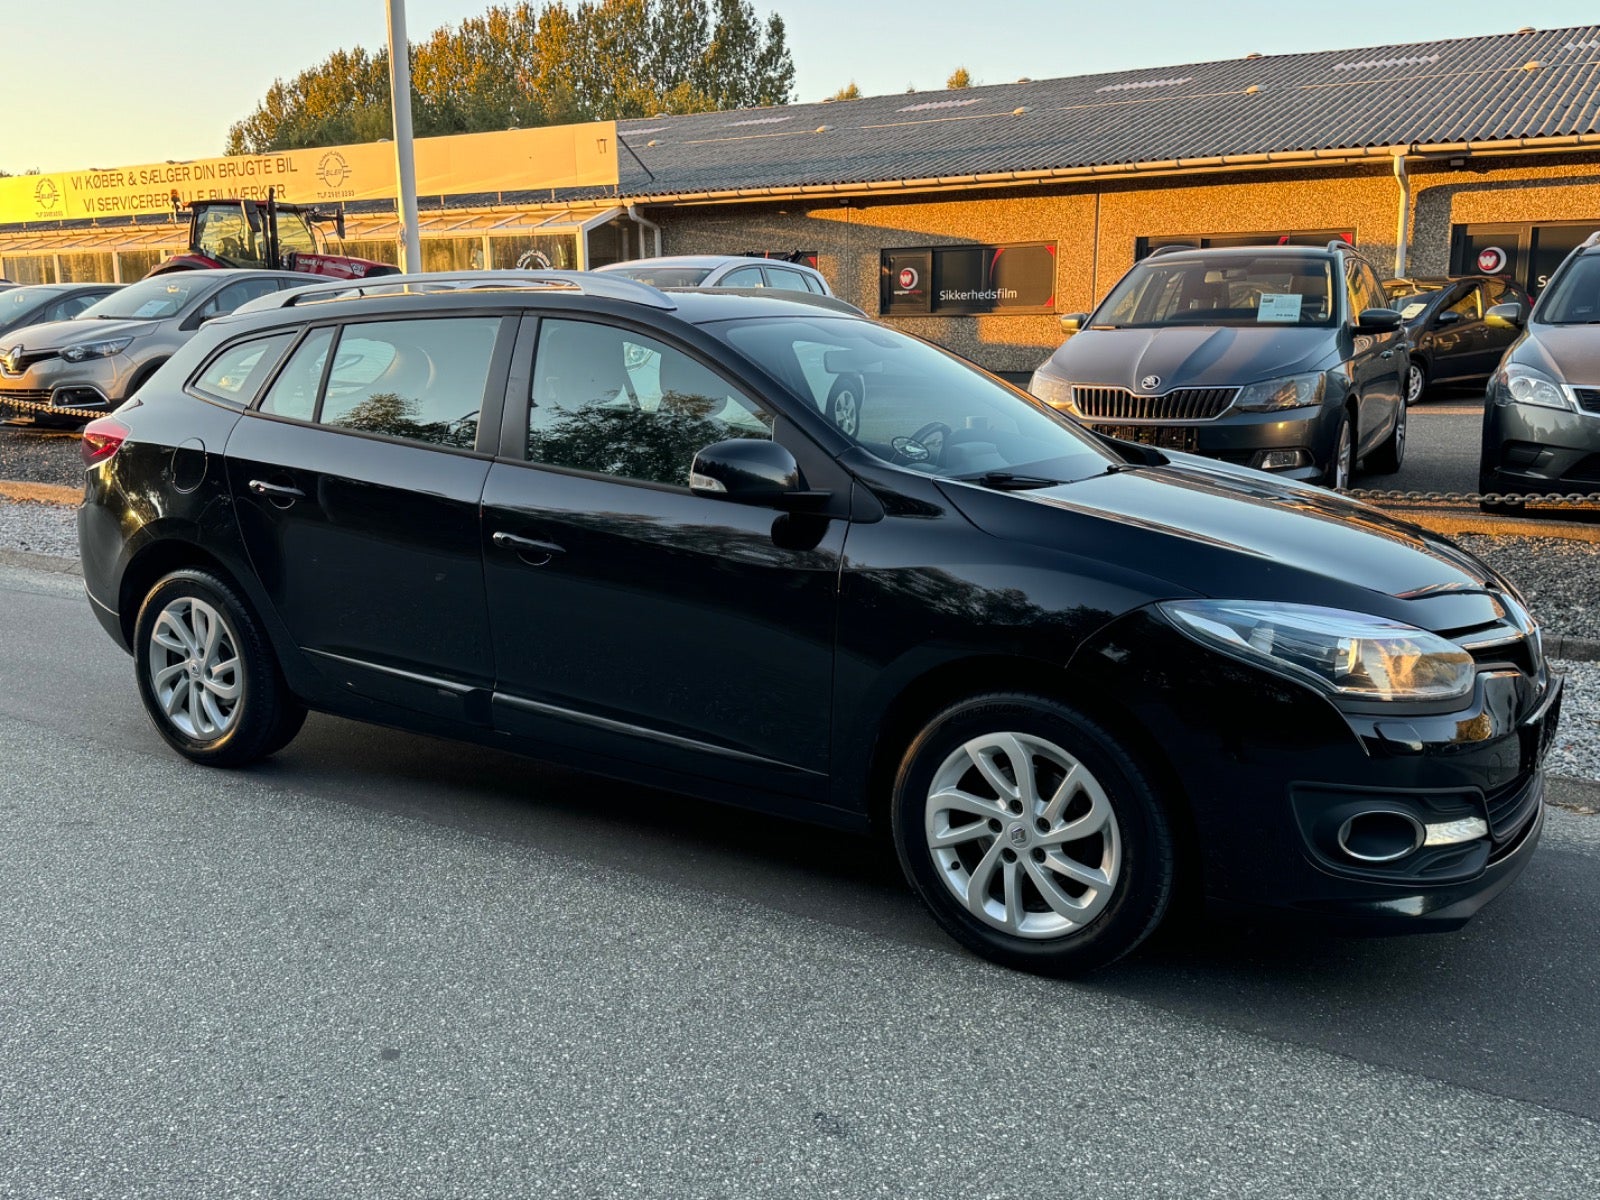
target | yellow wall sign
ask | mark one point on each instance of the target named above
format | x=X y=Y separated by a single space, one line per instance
x=557 y=156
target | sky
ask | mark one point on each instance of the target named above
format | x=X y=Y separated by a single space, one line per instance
x=104 y=83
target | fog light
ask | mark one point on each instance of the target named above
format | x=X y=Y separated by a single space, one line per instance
x=1281 y=460
x=1381 y=836
x=1451 y=833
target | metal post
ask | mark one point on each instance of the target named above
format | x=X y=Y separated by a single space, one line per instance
x=1402 y=224
x=404 y=160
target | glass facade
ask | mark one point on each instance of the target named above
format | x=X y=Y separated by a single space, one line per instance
x=1526 y=254
x=551 y=251
x=29 y=268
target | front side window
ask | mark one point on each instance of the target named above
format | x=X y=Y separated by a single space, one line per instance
x=236 y=373
x=615 y=402
x=1243 y=289
x=913 y=405
x=421 y=380
x=235 y=294
x=1465 y=305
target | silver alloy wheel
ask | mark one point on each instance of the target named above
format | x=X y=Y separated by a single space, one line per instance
x=1023 y=835
x=845 y=415
x=1400 y=419
x=195 y=673
x=1414 y=381
x=1344 y=454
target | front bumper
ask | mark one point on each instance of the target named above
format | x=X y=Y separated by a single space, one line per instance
x=1530 y=448
x=1244 y=438
x=1270 y=770
x=93 y=385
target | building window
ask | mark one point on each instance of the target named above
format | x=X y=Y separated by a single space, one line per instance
x=86 y=267
x=28 y=268
x=384 y=250
x=1145 y=246
x=952 y=281
x=1526 y=254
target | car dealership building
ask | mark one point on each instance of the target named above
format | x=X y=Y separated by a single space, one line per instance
x=975 y=216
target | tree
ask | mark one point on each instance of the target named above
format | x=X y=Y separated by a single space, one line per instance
x=958 y=79
x=527 y=64
x=848 y=92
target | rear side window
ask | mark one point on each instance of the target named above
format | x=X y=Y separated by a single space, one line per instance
x=236 y=372
x=789 y=281
x=294 y=392
x=421 y=380
x=744 y=277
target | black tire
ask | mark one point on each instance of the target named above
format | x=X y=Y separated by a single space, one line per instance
x=1138 y=843
x=844 y=403
x=1388 y=458
x=263 y=718
x=1330 y=474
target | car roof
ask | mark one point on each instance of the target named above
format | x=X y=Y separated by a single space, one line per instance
x=701 y=260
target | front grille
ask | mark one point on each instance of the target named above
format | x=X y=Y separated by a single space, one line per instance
x=1588 y=399
x=1513 y=806
x=28 y=395
x=1181 y=404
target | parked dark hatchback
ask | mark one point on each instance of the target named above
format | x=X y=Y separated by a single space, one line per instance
x=1452 y=339
x=1283 y=358
x=1079 y=682
x=1541 y=418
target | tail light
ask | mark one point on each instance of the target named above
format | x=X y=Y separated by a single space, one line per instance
x=102 y=439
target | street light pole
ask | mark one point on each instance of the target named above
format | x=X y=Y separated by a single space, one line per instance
x=404 y=159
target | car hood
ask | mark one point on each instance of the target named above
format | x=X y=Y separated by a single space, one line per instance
x=55 y=335
x=1212 y=529
x=1568 y=352
x=1189 y=356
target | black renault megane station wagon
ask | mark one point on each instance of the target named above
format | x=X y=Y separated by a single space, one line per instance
x=1081 y=683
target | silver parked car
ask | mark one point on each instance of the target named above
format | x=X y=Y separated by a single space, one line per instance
x=96 y=360
x=722 y=271
x=38 y=303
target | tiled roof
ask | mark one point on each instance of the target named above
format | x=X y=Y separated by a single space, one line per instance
x=1539 y=84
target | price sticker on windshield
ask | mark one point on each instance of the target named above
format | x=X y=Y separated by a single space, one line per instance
x=1279 y=306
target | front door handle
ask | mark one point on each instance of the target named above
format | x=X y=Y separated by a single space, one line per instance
x=532 y=552
x=1387 y=354
x=278 y=491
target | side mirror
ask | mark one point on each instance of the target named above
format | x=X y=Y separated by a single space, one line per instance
x=1379 y=320
x=1072 y=322
x=1447 y=318
x=1507 y=316
x=752 y=471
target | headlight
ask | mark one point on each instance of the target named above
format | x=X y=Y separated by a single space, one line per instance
x=1517 y=383
x=1052 y=389
x=1350 y=654
x=103 y=349
x=1297 y=391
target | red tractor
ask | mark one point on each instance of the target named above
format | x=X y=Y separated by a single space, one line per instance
x=271 y=236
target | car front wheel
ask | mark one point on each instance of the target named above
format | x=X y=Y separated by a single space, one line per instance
x=207 y=675
x=1033 y=836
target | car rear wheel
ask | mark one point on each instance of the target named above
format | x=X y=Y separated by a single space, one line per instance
x=1416 y=381
x=206 y=673
x=844 y=404
x=1033 y=836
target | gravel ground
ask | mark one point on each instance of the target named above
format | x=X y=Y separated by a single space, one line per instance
x=40 y=456
x=1576 y=750
x=1556 y=575
x=39 y=528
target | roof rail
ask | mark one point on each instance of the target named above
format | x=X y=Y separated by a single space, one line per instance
x=1171 y=248
x=1592 y=240
x=586 y=283
x=1339 y=244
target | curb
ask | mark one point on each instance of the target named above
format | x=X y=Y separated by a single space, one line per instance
x=1573 y=649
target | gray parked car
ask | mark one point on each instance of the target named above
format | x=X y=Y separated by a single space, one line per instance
x=39 y=303
x=96 y=360
x=722 y=271
x=1541 y=419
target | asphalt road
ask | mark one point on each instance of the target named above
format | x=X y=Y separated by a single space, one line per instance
x=382 y=965
x=1444 y=444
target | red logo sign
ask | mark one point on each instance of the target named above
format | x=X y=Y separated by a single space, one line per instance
x=1491 y=260
x=908 y=278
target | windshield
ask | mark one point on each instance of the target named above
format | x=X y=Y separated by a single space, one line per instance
x=19 y=302
x=663 y=277
x=1412 y=305
x=149 y=299
x=915 y=406
x=1242 y=289
x=1574 y=297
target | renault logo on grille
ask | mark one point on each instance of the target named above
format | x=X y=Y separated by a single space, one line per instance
x=10 y=359
x=1150 y=382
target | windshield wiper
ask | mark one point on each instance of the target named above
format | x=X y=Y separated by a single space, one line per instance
x=1005 y=481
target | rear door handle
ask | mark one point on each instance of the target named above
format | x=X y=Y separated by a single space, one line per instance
x=534 y=553
x=280 y=491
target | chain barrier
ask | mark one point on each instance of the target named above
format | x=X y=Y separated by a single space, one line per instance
x=8 y=401
x=1501 y=499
